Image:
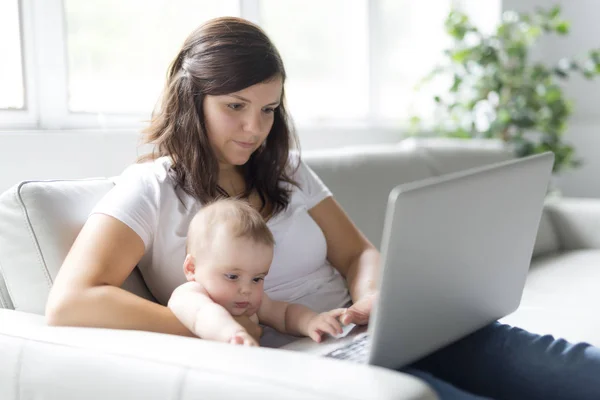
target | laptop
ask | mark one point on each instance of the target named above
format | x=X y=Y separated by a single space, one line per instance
x=455 y=254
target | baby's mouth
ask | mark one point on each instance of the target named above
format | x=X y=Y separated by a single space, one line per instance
x=241 y=304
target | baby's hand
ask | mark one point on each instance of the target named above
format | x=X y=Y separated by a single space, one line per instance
x=243 y=338
x=326 y=322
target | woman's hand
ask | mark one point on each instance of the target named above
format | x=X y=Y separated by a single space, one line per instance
x=250 y=326
x=360 y=311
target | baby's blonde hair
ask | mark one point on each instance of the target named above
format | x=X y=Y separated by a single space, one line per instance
x=237 y=216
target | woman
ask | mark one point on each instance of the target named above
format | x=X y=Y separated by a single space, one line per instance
x=222 y=130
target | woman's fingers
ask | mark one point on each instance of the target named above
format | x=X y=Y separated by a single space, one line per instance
x=337 y=312
x=355 y=316
x=347 y=317
x=360 y=311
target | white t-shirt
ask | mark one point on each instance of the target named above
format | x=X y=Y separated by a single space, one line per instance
x=144 y=198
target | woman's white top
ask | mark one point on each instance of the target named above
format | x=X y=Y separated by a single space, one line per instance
x=145 y=199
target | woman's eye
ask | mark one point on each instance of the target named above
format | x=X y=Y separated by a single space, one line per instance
x=269 y=110
x=235 y=106
x=231 y=277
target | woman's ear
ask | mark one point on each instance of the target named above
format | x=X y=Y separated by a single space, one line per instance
x=189 y=267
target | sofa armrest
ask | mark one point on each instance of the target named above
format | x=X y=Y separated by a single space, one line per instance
x=576 y=222
x=89 y=363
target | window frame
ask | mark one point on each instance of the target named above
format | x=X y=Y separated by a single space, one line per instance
x=45 y=74
x=26 y=117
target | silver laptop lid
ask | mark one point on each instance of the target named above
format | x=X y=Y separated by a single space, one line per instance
x=455 y=254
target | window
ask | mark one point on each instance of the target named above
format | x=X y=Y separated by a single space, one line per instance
x=102 y=63
x=324 y=48
x=412 y=39
x=118 y=51
x=12 y=94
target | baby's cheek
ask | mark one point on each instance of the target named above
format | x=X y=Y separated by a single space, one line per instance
x=258 y=301
x=250 y=311
x=255 y=305
x=223 y=298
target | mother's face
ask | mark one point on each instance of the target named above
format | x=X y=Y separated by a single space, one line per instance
x=238 y=123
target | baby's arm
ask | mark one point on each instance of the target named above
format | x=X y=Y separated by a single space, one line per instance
x=296 y=319
x=195 y=309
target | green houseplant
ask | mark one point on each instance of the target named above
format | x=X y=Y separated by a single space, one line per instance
x=497 y=91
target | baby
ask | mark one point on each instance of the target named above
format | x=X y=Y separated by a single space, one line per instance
x=229 y=253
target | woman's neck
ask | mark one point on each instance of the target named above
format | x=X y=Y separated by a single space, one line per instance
x=231 y=179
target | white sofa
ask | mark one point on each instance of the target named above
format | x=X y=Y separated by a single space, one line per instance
x=40 y=219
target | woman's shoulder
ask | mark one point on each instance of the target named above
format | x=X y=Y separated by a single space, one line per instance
x=309 y=184
x=298 y=170
x=294 y=165
x=151 y=180
x=155 y=171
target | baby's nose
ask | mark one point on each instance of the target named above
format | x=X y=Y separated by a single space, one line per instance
x=245 y=289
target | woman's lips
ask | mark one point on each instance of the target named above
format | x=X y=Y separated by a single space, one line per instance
x=244 y=144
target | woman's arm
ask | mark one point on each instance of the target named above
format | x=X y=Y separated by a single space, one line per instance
x=86 y=291
x=348 y=250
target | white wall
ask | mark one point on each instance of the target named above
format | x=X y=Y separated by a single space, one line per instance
x=83 y=154
x=58 y=155
x=584 y=126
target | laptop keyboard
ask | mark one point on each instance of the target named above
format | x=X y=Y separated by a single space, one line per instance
x=355 y=350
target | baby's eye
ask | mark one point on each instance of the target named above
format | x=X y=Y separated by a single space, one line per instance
x=235 y=106
x=231 y=277
x=257 y=280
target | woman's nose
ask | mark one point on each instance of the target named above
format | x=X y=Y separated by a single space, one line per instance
x=253 y=124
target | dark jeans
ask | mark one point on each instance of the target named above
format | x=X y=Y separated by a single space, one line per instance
x=503 y=362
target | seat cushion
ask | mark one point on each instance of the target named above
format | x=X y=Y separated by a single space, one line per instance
x=566 y=280
x=39 y=221
x=56 y=363
x=561 y=297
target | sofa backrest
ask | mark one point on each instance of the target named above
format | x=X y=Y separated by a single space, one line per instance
x=39 y=220
x=361 y=177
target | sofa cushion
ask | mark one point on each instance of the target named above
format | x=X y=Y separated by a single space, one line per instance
x=361 y=179
x=445 y=155
x=546 y=241
x=561 y=297
x=565 y=280
x=577 y=222
x=39 y=221
x=56 y=363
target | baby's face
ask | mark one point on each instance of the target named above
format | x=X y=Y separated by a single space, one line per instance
x=233 y=272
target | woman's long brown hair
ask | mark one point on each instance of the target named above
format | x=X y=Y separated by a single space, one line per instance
x=222 y=56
